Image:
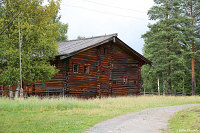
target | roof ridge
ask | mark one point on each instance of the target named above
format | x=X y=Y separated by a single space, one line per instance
x=114 y=34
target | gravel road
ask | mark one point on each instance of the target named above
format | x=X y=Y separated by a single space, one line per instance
x=145 y=121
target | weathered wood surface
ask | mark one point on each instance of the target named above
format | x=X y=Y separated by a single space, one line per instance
x=112 y=72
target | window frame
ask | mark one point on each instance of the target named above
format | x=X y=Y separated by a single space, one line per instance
x=105 y=51
x=125 y=80
x=76 y=68
x=87 y=70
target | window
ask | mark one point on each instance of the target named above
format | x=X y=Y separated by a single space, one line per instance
x=67 y=68
x=125 y=80
x=114 y=82
x=102 y=72
x=86 y=69
x=75 y=68
x=105 y=51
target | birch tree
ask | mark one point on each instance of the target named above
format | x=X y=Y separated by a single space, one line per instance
x=38 y=32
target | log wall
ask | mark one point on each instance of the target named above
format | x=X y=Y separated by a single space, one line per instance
x=111 y=72
x=126 y=76
x=83 y=84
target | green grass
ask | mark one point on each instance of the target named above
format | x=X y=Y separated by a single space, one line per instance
x=73 y=115
x=187 y=120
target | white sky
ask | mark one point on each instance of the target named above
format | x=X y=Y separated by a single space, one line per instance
x=90 y=18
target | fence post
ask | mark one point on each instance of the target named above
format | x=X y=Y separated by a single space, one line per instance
x=63 y=92
x=2 y=90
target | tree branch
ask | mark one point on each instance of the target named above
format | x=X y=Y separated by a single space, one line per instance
x=9 y=23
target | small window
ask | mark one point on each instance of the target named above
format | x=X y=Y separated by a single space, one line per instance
x=75 y=68
x=114 y=82
x=125 y=80
x=86 y=69
x=105 y=51
x=67 y=68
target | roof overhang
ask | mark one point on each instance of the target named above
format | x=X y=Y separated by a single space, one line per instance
x=117 y=41
x=84 y=49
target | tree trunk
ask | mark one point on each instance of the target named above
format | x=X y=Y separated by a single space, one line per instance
x=17 y=91
x=183 y=87
x=158 y=86
x=21 y=92
x=193 y=76
x=169 y=81
x=163 y=89
x=174 y=91
x=169 y=87
x=193 y=60
x=193 y=72
x=163 y=85
x=10 y=92
x=20 y=59
x=2 y=93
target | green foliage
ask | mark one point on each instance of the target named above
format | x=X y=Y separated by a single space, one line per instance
x=80 y=37
x=168 y=46
x=63 y=28
x=38 y=35
x=71 y=115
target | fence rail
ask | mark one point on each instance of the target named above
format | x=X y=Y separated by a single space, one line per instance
x=66 y=92
x=52 y=92
x=156 y=93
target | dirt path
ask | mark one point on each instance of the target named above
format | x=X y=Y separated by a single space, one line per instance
x=146 y=121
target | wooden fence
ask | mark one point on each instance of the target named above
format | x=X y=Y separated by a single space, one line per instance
x=156 y=93
x=64 y=92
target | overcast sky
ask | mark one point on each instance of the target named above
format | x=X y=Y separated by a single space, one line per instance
x=90 y=18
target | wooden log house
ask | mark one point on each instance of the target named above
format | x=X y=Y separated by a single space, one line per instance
x=91 y=67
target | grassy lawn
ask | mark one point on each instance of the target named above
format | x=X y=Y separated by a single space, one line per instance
x=73 y=115
x=187 y=120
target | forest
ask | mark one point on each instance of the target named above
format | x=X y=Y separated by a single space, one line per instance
x=173 y=45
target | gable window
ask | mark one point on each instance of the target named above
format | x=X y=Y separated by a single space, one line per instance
x=86 y=69
x=67 y=68
x=75 y=68
x=105 y=51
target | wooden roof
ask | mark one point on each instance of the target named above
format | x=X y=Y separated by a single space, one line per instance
x=72 y=47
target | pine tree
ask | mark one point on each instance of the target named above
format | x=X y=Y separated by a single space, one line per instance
x=191 y=8
x=164 y=45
